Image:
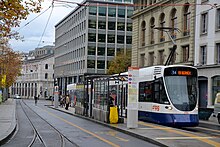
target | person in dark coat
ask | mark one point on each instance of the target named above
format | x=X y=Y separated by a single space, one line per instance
x=35 y=99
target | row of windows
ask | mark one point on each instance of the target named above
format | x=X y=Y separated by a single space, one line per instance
x=73 y=32
x=185 y=52
x=71 y=67
x=101 y=51
x=204 y=22
x=110 y=38
x=80 y=52
x=100 y=64
x=203 y=54
x=172 y=23
x=78 y=16
x=111 y=25
x=112 y=11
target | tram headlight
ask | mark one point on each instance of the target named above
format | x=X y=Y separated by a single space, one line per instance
x=169 y=107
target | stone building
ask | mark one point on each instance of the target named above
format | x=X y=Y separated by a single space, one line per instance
x=37 y=74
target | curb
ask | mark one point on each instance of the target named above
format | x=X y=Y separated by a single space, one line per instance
x=4 y=138
x=115 y=128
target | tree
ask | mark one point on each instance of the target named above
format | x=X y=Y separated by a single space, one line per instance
x=120 y=63
x=11 y=14
x=10 y=66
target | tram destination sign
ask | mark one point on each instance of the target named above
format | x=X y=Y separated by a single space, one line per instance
x=180 y=71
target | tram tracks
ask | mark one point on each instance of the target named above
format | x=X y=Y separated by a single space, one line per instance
x=43 y=130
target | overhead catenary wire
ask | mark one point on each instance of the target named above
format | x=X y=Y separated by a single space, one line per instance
x=33 y=19
x=46 y=25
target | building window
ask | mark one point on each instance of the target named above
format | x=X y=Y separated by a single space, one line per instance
x=91 y=50
x=46 y=66
x=151 y=59
x=121 y=26
x=218 y=53
x=128 y=40
x=102 y=11
x=92 y=24
x=129 y=13
x=121 y=12
x=101 y=37
x=102 y=25
x=111 y=12
x=186 y=21
x=46 y=75
x=111 y=25
x=110 y=52
x=173 y=59
x=215 y=86
x=203 y=55
x=161 y=57
x=101 y=64
x=185 y=53
x=204 y=23
x=142 y=59
x=120 y=39
x=173 y=23
x=91 y=64
x=152 y=21
x=162 y=22
x=111 y=38
x=92 y=37
x=92 y=10
x=101 y=51
x=129 y=26
x=143 y=28
x=218 y=19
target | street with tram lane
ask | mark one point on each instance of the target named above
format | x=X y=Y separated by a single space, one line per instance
x=56 y=129
x=39 y=125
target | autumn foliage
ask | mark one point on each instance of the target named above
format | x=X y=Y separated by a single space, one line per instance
x=11 y=14
x=10 y=66
x=120 y=63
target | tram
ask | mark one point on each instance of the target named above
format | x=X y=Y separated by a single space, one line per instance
x=167 y=95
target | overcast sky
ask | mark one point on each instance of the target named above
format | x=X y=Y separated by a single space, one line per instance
x=33 y=31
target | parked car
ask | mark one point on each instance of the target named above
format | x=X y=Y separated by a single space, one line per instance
x=217 y=107
x=17 y=96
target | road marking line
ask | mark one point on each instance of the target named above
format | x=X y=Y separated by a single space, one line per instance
x=84 y=130
x=213 y=143
x=178 y=138
x=209 y=129
x=114 y=133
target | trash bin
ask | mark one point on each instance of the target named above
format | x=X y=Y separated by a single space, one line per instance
x=113 y=116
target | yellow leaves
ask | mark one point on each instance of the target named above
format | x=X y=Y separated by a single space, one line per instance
x=13 y=11
x=10 y=66
x=120 y=63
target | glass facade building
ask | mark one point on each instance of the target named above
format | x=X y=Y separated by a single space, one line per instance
x=89 y=37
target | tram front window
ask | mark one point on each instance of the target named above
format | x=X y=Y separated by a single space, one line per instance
x=182 y=91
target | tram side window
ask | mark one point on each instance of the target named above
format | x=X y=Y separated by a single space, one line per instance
x=145 y=91
x=159 y=92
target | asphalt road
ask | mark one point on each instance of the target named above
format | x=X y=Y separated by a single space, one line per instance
x=41 y=126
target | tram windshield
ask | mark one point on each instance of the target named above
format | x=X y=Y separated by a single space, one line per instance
x=182 y=90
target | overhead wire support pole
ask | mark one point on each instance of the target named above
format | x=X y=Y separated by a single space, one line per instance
x=167 y=30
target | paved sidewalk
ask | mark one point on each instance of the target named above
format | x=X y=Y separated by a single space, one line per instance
x=7 y=120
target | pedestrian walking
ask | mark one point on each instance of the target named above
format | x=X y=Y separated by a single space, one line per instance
x=67 y=102
x=35 y=99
